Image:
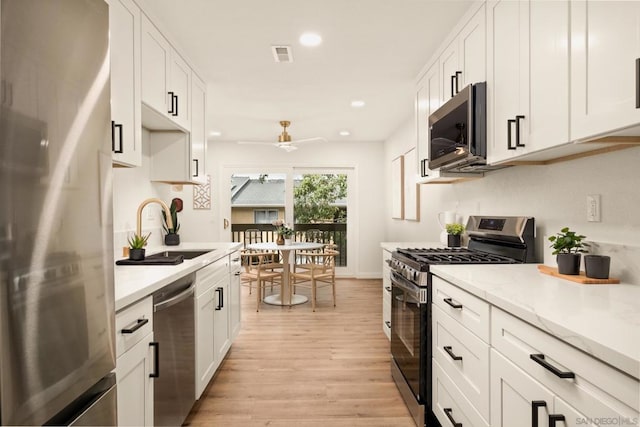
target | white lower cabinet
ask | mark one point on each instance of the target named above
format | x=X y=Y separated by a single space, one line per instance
x=135 y=364
x=584 y=383
x=450 y=405
x=208 y=280
x=235 y=314
x=386 y=294
x=135 y=384
x=221 y=333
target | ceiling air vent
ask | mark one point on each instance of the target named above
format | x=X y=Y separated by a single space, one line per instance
x=282 y=53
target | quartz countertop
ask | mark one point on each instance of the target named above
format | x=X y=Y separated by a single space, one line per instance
x=134 y=282
x=601 y=320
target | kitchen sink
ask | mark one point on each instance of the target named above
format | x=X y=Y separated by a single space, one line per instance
x=184 y=254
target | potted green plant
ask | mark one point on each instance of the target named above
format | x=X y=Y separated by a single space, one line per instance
x=172 y=238
x=287 y=233
x=568 y=247
x=454 y=234
x=136 y=246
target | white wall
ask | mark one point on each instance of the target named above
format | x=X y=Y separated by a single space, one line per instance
x=554 y=194
x=365 y=157
x=130 y=187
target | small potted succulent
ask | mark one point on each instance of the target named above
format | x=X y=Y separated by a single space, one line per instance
x=568 y=247
x=454 y=234
x=136 y=246
x=172 y=238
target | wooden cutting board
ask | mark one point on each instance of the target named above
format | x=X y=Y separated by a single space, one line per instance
x=581 y=278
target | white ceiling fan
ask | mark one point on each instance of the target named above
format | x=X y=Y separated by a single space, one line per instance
x=284 y=139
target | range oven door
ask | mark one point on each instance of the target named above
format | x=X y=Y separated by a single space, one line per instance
x=410 y=334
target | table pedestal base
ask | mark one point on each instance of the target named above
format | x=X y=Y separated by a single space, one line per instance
x=277 y=299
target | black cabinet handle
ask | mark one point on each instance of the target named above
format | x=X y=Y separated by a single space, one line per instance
x=197 y=173
x=451 y=303
x=156 y=359
x=120 y=135
x=534 y=411
x=554 y=418
x=423 y=168
x=220 y=292
x=172 y=98
x=451 y=353
x=509 y=145
x=139 y=324
x=638 y=83
x=176 y=110
x=237 y=273
x=539 y=359
x=386 y=322
x=447 y=412
x=113 y=134
x=518 y=118
x=458 y=73
x=388 y=288
x=453 y=86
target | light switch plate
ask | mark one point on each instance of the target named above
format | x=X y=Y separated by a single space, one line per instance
x=593 y=208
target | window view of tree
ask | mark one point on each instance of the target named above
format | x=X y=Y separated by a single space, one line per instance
x=320 y=199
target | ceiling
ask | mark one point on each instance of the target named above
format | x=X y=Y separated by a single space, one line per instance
x=372 y=50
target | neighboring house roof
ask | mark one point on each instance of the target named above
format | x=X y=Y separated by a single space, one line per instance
x=255 y=193
x=247 y=192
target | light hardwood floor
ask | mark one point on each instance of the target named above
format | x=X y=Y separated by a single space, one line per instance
x=291 y=367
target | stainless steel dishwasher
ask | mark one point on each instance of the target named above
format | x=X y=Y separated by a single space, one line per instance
x=174 y=330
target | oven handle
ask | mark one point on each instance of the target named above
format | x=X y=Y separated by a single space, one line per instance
x=413 y=290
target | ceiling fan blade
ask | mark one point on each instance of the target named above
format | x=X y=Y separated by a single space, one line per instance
x=306 y=140
x=288 y=147
x=256 y=143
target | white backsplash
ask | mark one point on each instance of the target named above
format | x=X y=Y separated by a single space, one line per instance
x=625 y=259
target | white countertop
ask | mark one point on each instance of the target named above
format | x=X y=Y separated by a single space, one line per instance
x=134 y=282
x=601 y=320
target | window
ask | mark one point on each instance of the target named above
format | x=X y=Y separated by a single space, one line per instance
x=264 y=216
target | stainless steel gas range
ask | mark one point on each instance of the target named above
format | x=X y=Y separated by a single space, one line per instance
x=492 y=240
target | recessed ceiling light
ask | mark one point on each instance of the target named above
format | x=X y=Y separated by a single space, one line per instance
x=357 y=103
x=215 y=133
x=344 y=133
x=310 y=39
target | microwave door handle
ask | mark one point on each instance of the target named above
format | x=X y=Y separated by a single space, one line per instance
x=509 y=145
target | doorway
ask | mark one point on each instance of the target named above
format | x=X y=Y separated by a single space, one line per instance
x=317 y=202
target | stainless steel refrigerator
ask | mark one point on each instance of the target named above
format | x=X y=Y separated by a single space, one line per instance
x=56 y=257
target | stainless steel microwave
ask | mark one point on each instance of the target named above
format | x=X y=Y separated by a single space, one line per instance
x=458 y=132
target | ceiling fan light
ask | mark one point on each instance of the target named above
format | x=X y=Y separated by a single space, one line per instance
x=344 y=133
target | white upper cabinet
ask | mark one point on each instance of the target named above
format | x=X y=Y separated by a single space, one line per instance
x=528 y=77
x=427 y=101
x=464 y=60
x=166 y=82
x=605 y=47
x=198 y=129
x=126 y=127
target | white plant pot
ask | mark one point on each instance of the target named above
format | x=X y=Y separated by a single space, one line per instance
x=288 y=241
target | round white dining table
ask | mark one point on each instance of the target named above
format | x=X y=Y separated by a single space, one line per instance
x=283 y=297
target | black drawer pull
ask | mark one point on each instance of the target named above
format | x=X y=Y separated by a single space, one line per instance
x=457 y=75
x=539 y=359
x=386 y=322
x=388 y=288
x=175 y=113
x=156 y=359
x=139 y=324
x=451 y=303
x=453 y=81
x=197 y=171
x=451 y=353
x=554 y=418
x=447 y=412
x=518 y=118
x=534 y=411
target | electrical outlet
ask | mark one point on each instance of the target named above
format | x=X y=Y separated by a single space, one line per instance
x=593 y=207
x=150 y=215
